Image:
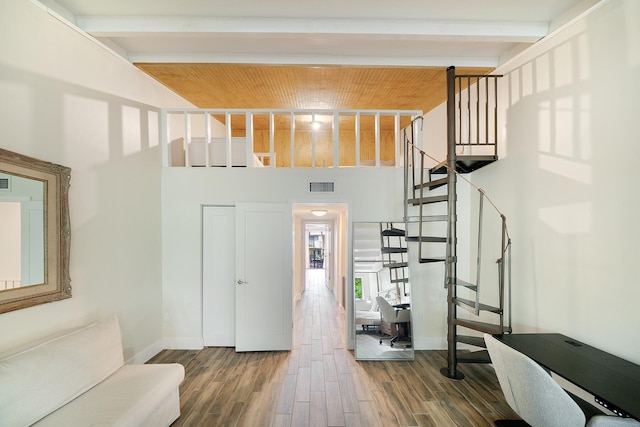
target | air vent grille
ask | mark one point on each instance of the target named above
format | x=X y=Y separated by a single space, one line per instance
x=5 y=184
x=322 y=187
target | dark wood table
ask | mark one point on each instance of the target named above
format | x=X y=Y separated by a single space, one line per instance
x=613 y=381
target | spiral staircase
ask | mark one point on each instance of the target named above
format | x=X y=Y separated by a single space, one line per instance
x=431 y=216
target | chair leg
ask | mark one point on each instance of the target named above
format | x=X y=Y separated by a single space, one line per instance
x=382 y=337
x=403 y=339
x=394 y=339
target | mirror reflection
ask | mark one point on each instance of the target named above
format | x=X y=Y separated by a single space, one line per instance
x=382 y=291
x=22 y=245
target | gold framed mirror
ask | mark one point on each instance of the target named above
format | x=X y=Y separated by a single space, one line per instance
x=35 y=232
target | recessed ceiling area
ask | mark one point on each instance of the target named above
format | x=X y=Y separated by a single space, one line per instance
x=359 y=54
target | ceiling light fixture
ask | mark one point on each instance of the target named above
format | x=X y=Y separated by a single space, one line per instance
x=315 y=125
x=319 y=212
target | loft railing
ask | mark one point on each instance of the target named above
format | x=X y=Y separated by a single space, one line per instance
x=9 y=284
x=476 y=114
x=284 y=138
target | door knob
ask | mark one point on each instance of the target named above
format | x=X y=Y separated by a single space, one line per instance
x=240 y=282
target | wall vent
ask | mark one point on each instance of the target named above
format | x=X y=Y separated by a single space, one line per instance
x=5 y=183
x=321 y=187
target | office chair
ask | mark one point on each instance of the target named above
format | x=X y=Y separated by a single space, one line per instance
x=535 y=396
x=393 y=316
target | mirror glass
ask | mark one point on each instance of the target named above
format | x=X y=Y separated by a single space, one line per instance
x=34 y=232
x=382 y=291
x=21 y=231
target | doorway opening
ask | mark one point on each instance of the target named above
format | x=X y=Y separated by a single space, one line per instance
x=321 y=249
x=318 y=261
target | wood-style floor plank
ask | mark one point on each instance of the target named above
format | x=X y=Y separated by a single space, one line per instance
x=333 y=398
x=319 y=383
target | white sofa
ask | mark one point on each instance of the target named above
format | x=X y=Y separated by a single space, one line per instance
x=80 y=379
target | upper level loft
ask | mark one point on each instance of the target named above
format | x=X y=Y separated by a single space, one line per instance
x=334 y=138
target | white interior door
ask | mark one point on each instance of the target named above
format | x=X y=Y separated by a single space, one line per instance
x=264 y=292
x=218 y=274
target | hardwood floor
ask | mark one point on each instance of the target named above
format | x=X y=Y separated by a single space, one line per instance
x=319 y=383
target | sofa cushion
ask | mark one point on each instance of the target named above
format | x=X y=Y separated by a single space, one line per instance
x=43 y=378
x=130 y=397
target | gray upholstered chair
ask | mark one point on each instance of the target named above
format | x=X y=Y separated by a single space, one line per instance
x=538 y=398
x=391 y=315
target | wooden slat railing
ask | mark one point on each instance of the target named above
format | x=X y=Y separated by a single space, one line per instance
x=283 y=138
x=9 y=284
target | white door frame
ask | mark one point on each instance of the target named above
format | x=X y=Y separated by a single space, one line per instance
x=329 y=226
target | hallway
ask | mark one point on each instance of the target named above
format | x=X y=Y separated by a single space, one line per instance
x=319 y=383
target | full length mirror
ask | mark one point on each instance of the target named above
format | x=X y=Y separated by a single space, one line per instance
x=382 y=292
x=34 y=232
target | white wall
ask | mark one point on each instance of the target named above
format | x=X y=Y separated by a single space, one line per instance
x=569 y=180
x=372 y=195
x=65 y=99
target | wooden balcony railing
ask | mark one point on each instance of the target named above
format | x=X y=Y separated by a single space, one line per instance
x=9 y=284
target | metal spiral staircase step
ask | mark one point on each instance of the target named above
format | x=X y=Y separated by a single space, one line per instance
x=481 y=356
x=465 y=164
x=393 y=265
x=427 y=239
x=428 y=200
x=432 y=259
x=460 y=282
x=392 y=250
x=482 y=307
x=489 y=328
x=428 y=218
x=471 y=340
x=439 y=169
x=431 y=185
x=393 y=232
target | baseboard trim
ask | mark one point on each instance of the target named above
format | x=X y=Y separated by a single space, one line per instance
x=184 y=343
x=146 y=354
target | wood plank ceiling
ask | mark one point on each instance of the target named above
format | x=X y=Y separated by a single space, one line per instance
x=249 y=86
